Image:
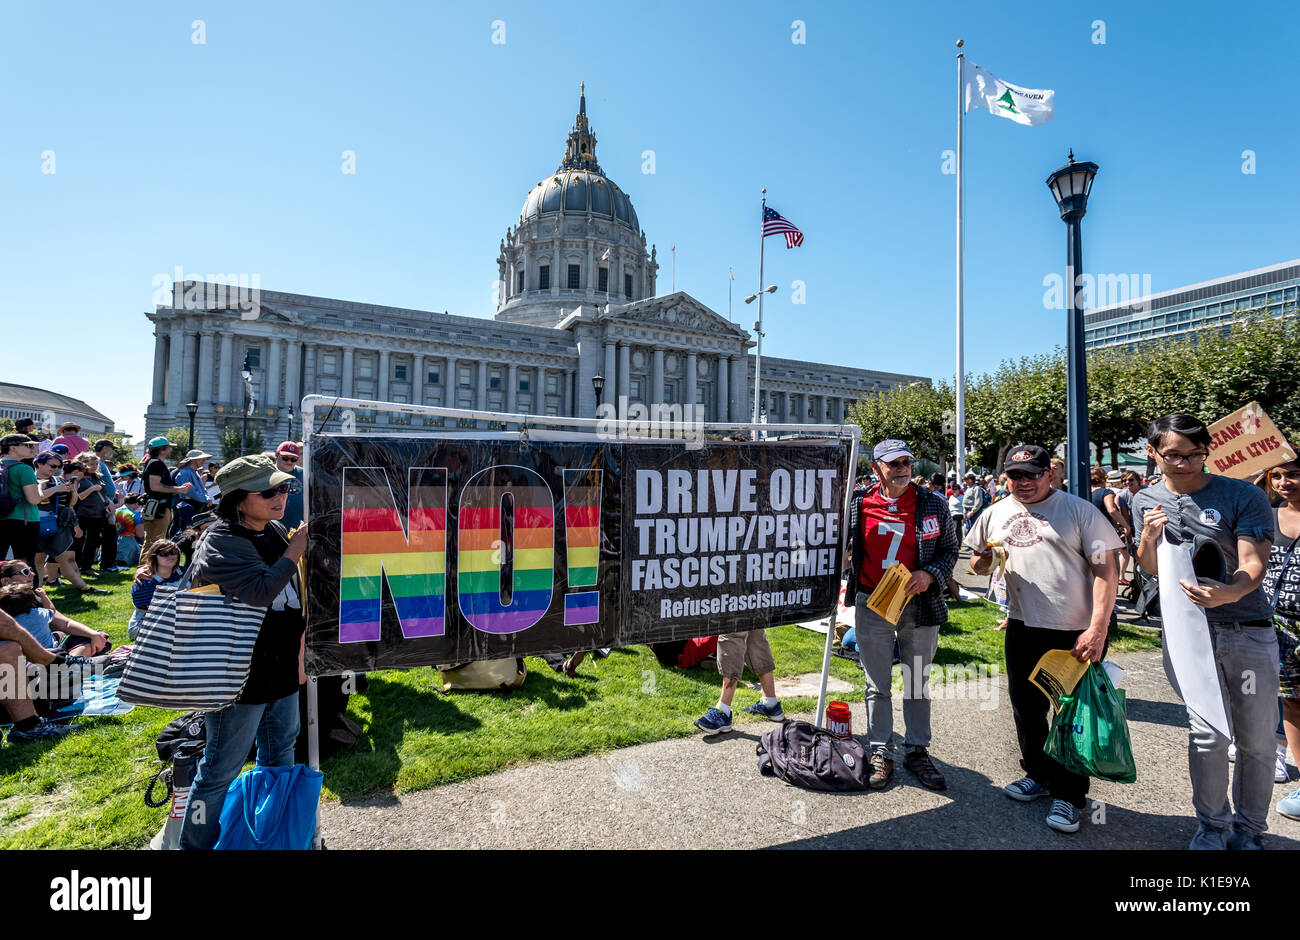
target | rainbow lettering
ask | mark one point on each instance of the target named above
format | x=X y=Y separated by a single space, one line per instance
x=582 y=540
x=375 y=549
x=493 y=502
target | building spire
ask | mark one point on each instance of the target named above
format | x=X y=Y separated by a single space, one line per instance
x=580 y=150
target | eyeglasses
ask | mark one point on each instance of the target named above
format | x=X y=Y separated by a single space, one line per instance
x=1179 y=459
x=288 y=459
x=274 y=491
x=899 y=463
x=168 y=554
x=1018 y=475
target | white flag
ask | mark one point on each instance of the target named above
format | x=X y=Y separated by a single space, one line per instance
x=1029 y=106
x=605 y=256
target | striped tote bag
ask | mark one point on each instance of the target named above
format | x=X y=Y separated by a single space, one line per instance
x=194 y=649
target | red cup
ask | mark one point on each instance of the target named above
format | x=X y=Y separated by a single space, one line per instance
x=839 y=720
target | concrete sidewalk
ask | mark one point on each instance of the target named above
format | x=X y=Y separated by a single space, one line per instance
x=707 y=793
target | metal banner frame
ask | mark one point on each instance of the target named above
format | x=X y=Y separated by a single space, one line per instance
x=573 y=428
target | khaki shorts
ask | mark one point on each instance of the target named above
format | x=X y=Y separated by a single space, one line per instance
x=735 y=649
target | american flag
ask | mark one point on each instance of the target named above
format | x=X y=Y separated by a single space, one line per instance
x=774 y=223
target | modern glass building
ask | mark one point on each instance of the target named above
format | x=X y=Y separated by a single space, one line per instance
x=1210 y=303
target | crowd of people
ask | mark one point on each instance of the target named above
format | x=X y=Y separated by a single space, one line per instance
x=69 y=512
x=1064 y=559
x=68 y=508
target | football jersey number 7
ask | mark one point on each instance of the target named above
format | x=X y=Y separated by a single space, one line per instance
x=896 y=530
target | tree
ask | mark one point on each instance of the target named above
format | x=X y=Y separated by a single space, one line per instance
x=914 y=414
x=232 y=445
x=180 y=438
x=1022 y=402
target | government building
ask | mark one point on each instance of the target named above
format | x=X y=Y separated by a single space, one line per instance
x=577 y=299
x=1195 y=307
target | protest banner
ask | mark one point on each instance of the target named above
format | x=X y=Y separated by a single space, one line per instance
x=440 y=550
x=1246 y=443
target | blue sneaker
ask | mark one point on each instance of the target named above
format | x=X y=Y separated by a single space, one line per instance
x=1064 y=817
x=771 y=712
x=1289 y=806
x=1026 y=790
x=715 y=721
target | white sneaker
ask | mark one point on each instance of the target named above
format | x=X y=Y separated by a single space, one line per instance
x=1280 y=774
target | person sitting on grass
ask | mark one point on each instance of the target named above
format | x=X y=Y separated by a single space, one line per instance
x=19 y=651
x=160 y=565
x=20 y=602
x=130 y=529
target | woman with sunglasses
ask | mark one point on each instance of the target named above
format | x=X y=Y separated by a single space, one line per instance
x=249 y=554
x=58 y=520
x=1282 y=585
x=159 y=565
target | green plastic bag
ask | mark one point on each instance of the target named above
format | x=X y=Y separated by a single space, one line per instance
x=1090 y=733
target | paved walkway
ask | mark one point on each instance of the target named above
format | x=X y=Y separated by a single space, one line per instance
x=707 y=793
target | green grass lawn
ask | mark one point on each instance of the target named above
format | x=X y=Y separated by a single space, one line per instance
x=86 y=790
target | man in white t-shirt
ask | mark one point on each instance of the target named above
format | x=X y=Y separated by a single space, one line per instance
x=1061 y=581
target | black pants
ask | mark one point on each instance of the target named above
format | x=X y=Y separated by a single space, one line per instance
x=92 y=538
x=21 y=537
x=1031 y=709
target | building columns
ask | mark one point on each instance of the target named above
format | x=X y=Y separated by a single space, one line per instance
x=204 y=396
x=385 y=369
x=159 y=367
x=692 y=377
x=608 y=393
x=656 y=396
x=292 y=376
x=347 y=372
x=624 y=370
x=226 y=368
x=271 y=375
x=512 y=387
x=724 y=400
x=417 y=380
x=175 y=352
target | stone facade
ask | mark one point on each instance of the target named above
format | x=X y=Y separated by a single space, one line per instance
x=538 y=356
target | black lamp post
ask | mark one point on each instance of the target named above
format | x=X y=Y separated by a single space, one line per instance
x=290 y=422
x=246 y=373
x=598 y=383
x=192 y=408
x=1071 y=185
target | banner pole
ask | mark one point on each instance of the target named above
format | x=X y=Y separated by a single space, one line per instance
x=845 y=537
x=758 y=356
x=308 y=413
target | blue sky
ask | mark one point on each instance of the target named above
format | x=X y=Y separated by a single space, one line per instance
x=225 y=157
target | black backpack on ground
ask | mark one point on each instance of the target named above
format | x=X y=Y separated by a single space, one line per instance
x=804 y=755
x=182 y=736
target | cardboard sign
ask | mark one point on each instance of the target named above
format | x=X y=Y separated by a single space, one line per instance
x=890 y=596
x=1246 y=443
x=425 y=550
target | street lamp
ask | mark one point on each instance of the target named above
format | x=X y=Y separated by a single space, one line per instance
x=1070 y=185
x=598 y=383
x=193 y=408
x=758 y=331
x=246 y=372
x=291 y=421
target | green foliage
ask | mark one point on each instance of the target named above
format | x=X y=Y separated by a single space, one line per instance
x=6 y=425
x=232 y=445
x=911 y=413
x=180 y=438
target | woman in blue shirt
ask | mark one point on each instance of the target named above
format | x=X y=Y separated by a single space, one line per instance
x=159 y=565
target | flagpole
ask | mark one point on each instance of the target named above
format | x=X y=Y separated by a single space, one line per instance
x=731 y=278
x=961 y=326
x=674 y=269
x=758 y=358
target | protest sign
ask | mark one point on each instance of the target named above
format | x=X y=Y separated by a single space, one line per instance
x=441 y=551
x=1246 y=443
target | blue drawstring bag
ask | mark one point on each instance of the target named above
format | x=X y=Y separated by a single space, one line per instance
x=271 y=808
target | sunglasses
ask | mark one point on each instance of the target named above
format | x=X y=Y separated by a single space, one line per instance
x=24 y=573
x=1025 y=474
x=288 y=459
x=899 y=463
x=168 y=554
x=274 y=491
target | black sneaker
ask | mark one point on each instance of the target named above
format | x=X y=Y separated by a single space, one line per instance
x=45 y=731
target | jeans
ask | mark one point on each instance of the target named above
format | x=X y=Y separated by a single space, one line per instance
x=230 y=734
x=1247 y=658
x=916 y=646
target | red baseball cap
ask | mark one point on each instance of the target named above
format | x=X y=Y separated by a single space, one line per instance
x=289 y=447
